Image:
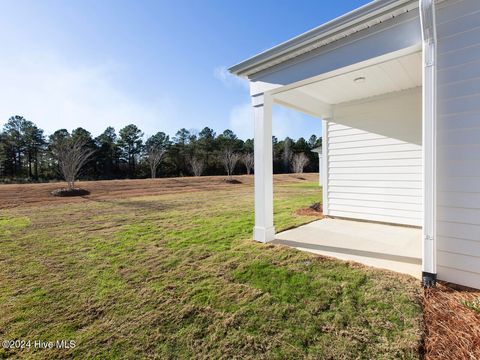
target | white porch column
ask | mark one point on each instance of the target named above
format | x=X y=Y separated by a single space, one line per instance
x=262 y=107
x=324 y=169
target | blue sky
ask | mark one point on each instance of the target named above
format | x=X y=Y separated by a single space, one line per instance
x=158 y=64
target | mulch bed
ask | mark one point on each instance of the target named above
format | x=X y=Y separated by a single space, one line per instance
x=452 y=329
x=233 y=181
x=313 y=210
x=70 y=192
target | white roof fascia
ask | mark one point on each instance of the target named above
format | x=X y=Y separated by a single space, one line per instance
x=352 y=22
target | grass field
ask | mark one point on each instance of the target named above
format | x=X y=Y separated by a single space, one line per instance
x=167 y=269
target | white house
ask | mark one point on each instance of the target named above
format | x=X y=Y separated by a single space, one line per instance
x=396 y=84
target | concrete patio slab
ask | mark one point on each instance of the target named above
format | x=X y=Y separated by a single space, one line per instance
x=395 y=248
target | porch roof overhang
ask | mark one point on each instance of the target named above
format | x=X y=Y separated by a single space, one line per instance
x=382 y=76
x=359 y=19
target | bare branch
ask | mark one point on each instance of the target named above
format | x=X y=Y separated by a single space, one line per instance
x=248 y=160
x=154 y=157
x=197 y=165
x=229 y=159
x=71 y=155
x=299 y=161
x=287 y=153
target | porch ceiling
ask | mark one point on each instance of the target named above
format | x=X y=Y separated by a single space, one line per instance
x=385 y=77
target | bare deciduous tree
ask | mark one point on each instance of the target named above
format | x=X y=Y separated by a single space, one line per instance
x=248 y=161
x=154 y=156
x=197 y=165
x=229 y=160
x=71 y=154
x=299 y=161
x=287 y=153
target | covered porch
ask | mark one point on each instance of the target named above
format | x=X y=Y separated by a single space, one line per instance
x=369 y=77
x=371 y=114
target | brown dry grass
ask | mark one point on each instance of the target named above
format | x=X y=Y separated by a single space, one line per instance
x=167 y=269
x=14 y=195
x=452 y=330
x=155 y=211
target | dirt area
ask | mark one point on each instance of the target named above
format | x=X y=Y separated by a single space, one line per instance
x=14 y=195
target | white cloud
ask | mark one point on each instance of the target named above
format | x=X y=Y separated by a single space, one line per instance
x=285 y=122
x=221 y=73
x=54 y=95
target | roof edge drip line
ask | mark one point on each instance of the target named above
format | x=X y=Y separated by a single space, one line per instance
x=325 y=33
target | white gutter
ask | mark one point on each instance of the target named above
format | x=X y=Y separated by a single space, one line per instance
x=362 y=17
x=429 y=263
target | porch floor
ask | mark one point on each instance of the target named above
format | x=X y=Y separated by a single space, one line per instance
x=395 y=248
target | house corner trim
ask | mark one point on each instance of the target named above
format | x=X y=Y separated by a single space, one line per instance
x=429 y=124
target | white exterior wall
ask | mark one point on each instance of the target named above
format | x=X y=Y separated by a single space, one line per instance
x=458 y=142
x=375 y=159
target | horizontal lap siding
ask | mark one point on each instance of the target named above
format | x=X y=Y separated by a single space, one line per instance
x=458 y=142
x=374 y=174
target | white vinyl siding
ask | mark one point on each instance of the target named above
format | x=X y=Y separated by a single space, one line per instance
x=458 y=142
x=375 y=159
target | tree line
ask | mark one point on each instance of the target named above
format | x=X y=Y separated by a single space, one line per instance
x=27 y=154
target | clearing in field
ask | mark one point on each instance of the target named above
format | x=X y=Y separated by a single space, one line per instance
x=166 y=268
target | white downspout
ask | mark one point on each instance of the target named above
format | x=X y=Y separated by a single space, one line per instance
x=429 y=121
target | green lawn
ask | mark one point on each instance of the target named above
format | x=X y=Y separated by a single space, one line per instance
x=178 y=276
